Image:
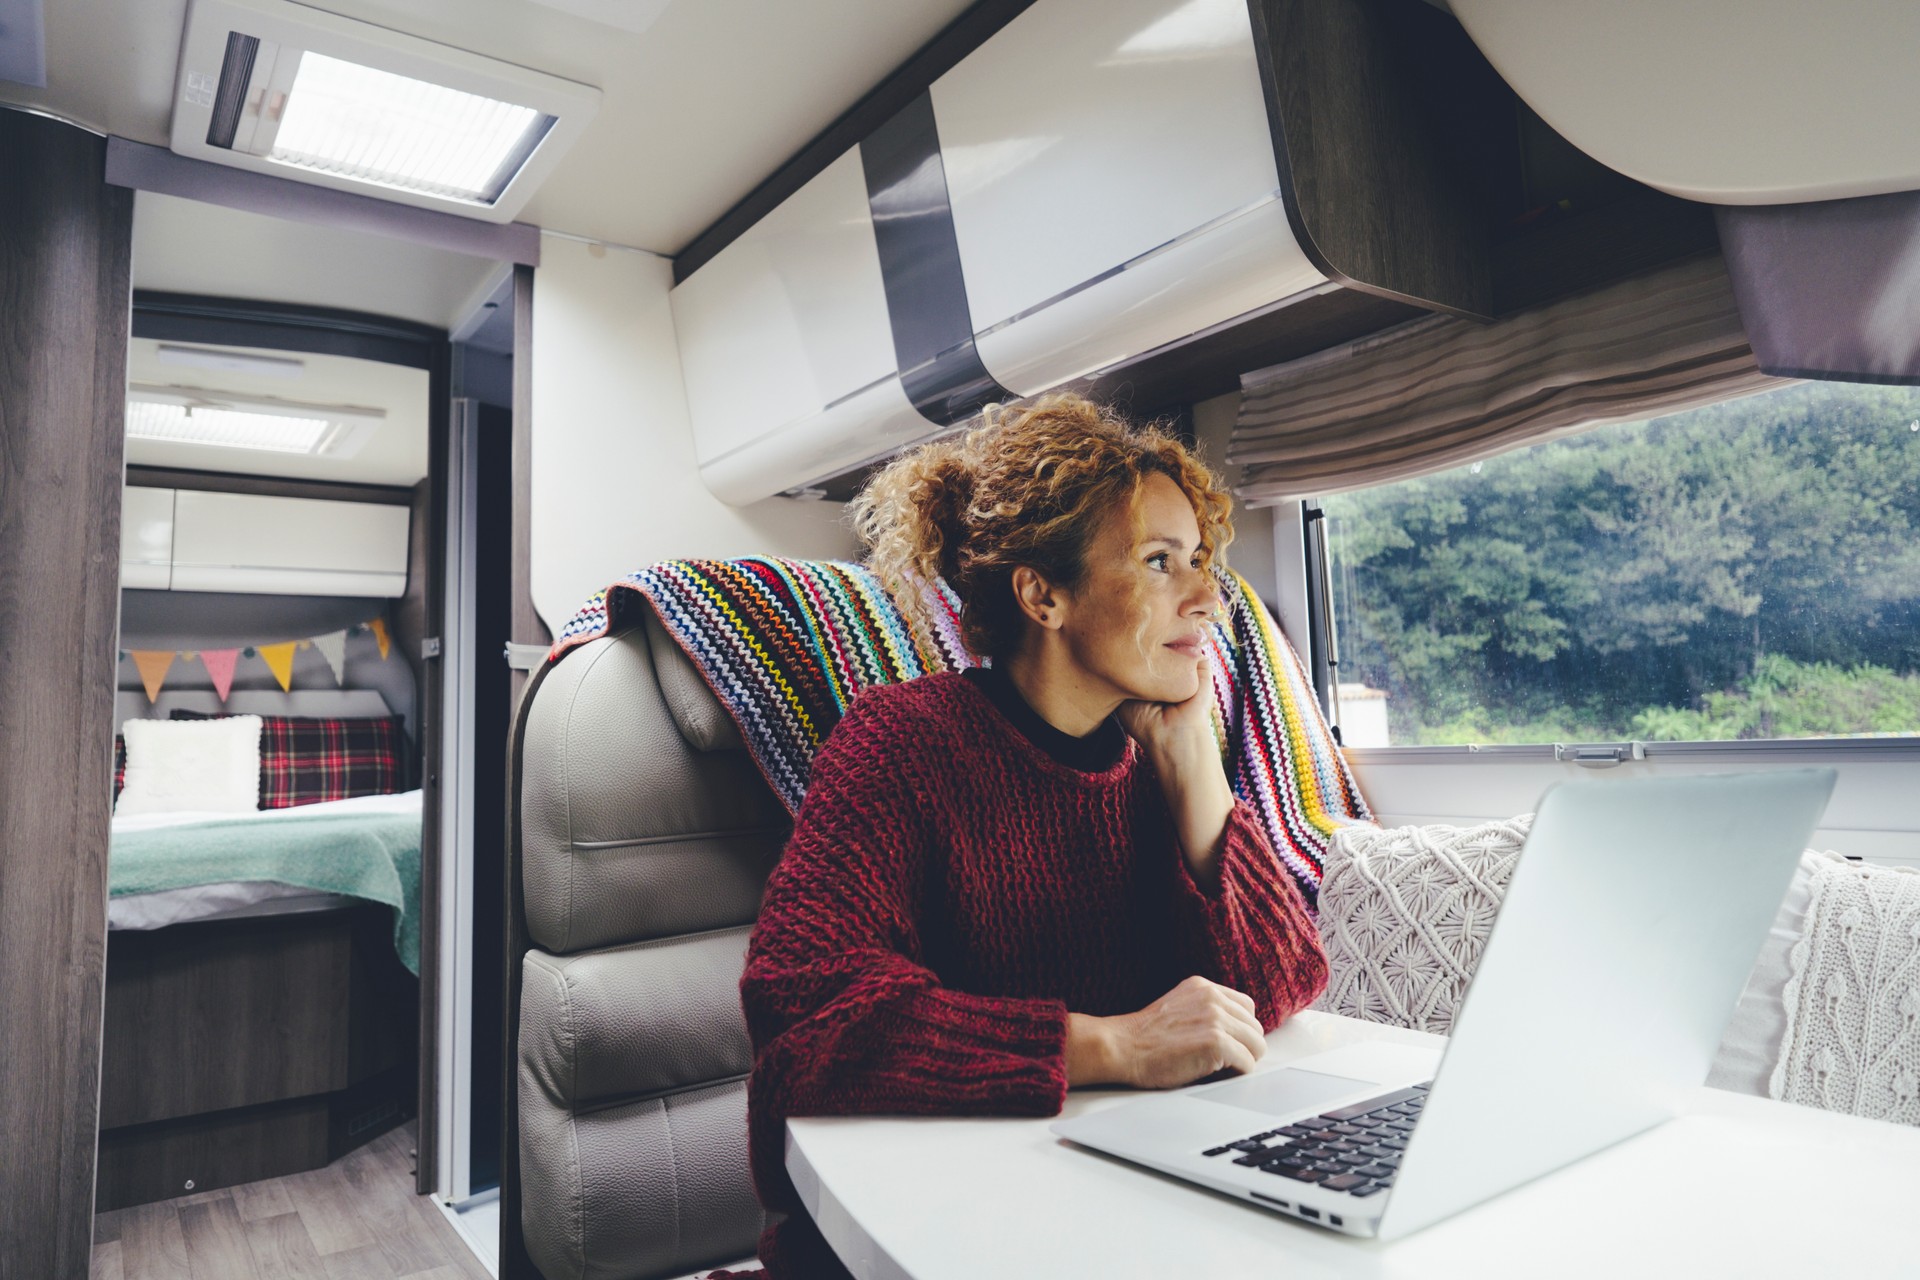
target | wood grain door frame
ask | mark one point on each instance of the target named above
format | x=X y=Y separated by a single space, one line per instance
x=66 y=253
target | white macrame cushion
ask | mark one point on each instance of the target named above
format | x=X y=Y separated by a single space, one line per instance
x=1405 y=913
x=1852 y=1002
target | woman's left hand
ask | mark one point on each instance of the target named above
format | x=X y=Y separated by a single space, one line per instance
x=1177 y=738
x=1172 y=732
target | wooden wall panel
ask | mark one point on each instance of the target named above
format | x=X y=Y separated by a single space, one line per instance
x=65 y=249
x=1369 y=188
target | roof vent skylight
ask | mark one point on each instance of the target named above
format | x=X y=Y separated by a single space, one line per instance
x=281 y=88
x=187 y=415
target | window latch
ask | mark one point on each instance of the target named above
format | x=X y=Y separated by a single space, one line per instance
x=1599 y=755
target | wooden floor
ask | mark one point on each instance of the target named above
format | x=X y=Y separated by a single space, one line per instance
x=356 y=1219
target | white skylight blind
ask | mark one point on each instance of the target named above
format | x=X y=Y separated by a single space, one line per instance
x=228 y=428
x=286 y=89
x=373 y=126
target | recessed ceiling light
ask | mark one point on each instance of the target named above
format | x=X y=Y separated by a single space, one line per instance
x=231 y=361
x=186 y=415
x=374 y=126
x=282 y=88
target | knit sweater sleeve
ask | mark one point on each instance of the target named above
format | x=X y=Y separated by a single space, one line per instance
x=844 y=1014
x=1255 y=932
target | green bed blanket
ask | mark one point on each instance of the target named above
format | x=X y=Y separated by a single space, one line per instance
x=375 y=856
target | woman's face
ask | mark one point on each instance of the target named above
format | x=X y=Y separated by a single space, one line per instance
x=1143 y=573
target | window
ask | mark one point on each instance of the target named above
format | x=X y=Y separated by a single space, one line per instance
x=1748 y=570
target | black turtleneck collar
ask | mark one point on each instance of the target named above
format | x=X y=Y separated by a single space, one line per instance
x=1095 y=753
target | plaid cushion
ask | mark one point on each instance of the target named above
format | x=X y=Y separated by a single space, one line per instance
x=119 y=765
x=306 y=761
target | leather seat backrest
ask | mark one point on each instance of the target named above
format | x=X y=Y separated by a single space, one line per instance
x=643 y=838
x=628 y=831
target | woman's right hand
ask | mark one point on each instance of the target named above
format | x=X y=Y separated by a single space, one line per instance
x=1196 y=1029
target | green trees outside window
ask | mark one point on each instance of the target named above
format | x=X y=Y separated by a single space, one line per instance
x=1747 y=570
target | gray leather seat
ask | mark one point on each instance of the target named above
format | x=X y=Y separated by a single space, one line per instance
x=642 y=838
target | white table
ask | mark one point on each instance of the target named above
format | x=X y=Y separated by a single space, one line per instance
x=1736 y=1187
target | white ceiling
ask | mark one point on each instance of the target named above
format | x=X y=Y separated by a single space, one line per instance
x=395 y=455
x=701 y=103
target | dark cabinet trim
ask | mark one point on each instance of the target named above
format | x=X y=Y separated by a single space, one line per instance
x=283 y=326
x=267 y=486
x=887 y=99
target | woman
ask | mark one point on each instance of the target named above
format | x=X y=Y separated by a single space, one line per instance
x=1013 y=880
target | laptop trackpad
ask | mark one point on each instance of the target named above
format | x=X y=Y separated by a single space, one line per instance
x=1285 y=1091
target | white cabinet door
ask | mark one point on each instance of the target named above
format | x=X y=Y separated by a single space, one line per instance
x=1112 y=176
x=788 y=319
x=146 y=538
x=288 y=546
x=1082 y=136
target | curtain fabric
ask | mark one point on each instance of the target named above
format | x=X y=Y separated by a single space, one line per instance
x=1440 y=392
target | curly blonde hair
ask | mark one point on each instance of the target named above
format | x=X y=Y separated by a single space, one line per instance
x=1029 y=486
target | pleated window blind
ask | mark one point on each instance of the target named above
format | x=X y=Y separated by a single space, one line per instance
x=1441 y=392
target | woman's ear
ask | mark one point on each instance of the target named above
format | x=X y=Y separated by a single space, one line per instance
x=1038 y=598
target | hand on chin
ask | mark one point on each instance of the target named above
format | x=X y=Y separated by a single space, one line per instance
x=1165 y=727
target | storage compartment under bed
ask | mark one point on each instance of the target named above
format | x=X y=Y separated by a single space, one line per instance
x=242 y=1049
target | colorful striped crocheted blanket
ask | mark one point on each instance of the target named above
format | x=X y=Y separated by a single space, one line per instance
x=787 y=644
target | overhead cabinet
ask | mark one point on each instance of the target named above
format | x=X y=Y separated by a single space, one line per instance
x=786 y=347
x=1089 y=186
x=194 y=540
x=1113 y=184
x=146 y=538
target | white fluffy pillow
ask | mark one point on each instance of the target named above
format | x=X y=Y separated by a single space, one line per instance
x=1405 y=913
x=197 y=766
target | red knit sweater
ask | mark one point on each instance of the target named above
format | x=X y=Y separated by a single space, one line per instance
x=949 y=893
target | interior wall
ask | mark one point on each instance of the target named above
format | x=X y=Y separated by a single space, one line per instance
x=188 y=621
x=1251 y=554
x=615 y=485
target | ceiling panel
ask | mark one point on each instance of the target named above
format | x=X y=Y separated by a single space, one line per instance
x=701 y=103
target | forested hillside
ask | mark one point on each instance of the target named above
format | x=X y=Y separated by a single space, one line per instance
x=1747 y=570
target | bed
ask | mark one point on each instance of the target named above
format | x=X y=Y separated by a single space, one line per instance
x=175 y=868
x=261 y=1002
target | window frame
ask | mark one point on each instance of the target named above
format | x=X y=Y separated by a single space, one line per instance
x=1300 y=579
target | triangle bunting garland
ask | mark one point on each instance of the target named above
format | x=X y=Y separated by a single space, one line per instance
x=333 y=647
x=155 y=665
x=219 y=665
x=279 y=660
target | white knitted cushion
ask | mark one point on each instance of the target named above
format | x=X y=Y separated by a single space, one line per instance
x=1405 y=913
x=1852 y=1003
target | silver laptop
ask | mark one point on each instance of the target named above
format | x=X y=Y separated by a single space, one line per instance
x=1632 y=919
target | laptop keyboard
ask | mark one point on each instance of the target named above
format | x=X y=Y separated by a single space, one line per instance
x=1353 y=1149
